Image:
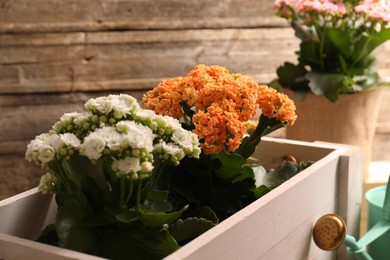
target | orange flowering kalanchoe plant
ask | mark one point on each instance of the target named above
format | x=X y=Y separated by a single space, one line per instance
x=220 y=107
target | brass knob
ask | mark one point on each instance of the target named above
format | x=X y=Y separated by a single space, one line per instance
x=329 y=232
x=290 y=158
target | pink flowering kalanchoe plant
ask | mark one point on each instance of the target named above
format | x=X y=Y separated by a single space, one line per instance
x=338 y=38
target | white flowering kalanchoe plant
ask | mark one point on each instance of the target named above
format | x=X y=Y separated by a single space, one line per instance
x=105 y=165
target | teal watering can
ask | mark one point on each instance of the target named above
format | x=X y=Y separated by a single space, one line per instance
x=329 y=231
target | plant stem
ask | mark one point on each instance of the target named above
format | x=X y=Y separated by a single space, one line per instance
x=266 y=125
x=66 y=177
x=153 y=180
x=122 y=191
x=362 y=54
x=130 y=191
x=138 y=197
x=321 y=36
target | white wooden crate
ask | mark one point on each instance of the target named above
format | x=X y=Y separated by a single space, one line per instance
x=276 y=226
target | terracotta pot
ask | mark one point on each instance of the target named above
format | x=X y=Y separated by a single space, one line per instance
x=350 y=120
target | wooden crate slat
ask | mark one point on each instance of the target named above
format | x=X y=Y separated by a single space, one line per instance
x=85 y=15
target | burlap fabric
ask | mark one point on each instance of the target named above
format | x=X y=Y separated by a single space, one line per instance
x=350 y=120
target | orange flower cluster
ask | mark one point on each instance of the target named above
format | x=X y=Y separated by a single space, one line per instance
x=223 y=104
x=166 y=97
x=277 y=105
x=218 y=129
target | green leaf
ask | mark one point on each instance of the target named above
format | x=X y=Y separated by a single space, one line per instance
x=248 y=145
x=292 y=76
x=230 y=165
x=82 y=167
x=49 y=235
x=230 y=197
x=310 y=55
x=261 y=191
x=326 y=84
x=157 y=219
x=92 y=193
x=101 y=217
x=275 y=84
x=156 y=201
x=304 y=165
x=370 y=42
x=280 y=174
x=203 y=212
x=341 y=40
x=182 y=185
x=241 y=186
x=190 y=228
x=135 y=242
x=163 y=206
x=72 y=232
x=127 y=216
x=157 y=195
x=301 y=32
x=246 y=172
x=300 y=95
x=224 y=201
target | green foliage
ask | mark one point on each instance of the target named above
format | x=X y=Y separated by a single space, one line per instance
x=202 y=183
x=189 y=228
x=48 y=235
x=187 y=201
x=224 y=182
x=157 y=219
x=114 y=216
x=333 y=59
x=229 y=165
x=284 y=172
x=248 y=145
x=325 y=84
x=134 y=242
x=71 y=230
x=90 y=219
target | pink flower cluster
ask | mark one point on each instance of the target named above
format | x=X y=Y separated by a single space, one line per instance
x=323 y=7
x=377 y=10
x=284 y=7
x=374 y=10
x=305 y=7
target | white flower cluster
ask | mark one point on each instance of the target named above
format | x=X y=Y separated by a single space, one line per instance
x=117 y=106
x=48 y=183
x=117 y=130
x=129 y=145
x=77 y=123
x=174 y=142
x=48 y=147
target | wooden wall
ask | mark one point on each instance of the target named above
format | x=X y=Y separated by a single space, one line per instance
x=54 y=55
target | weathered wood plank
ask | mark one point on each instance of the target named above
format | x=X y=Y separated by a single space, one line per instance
x=138 y=60
x=17 y=175
x=42 y=39
x=27 y=121
x=86 y=15
x=142 y=36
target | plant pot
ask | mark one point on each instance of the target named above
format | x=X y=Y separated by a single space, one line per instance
x=350 y=120
x=276 y=226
